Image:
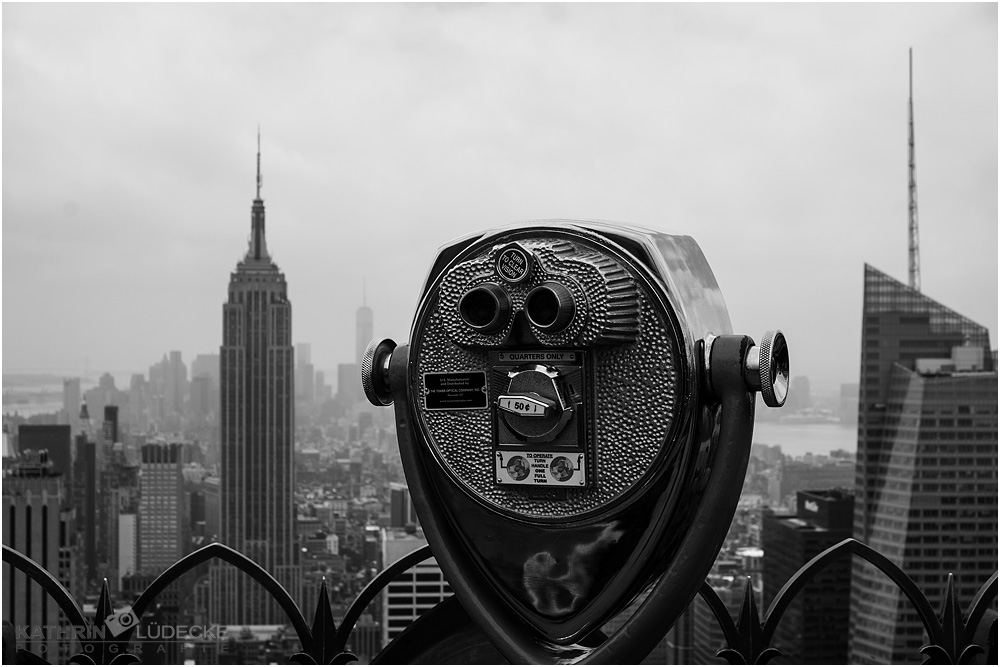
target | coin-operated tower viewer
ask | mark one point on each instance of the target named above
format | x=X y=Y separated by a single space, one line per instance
x=574 y=417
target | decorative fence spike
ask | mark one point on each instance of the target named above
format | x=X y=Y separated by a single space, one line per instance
x=942 y=650
x=745 y=639
x=325 y=649
x=105 y=606
x=956 y=645
x=107 y=644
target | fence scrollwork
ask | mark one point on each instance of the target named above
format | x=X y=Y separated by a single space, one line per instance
x=748 y=639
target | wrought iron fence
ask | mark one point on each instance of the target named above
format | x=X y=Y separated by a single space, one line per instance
x=748 y=639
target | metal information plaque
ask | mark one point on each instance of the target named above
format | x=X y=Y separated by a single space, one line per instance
x=541 y=468
x=455 y=391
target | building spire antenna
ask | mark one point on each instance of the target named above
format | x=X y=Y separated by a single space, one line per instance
x=259 y=180
x=258 y=244
x=364 y=292
x=913 y=231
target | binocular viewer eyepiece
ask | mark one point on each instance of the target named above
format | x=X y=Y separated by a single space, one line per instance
x=574 y=416
x=485 y=308
x=549 y=307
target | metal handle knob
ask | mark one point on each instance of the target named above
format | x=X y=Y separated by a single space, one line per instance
x=766 y=368
x=375 y=371
x=528 y=404
x=535 y=407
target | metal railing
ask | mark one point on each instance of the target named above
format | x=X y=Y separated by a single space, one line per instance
x=951 y=634
x=748 y=639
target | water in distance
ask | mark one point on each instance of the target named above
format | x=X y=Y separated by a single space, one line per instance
x=798 y=439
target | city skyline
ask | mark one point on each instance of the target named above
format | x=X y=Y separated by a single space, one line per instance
x=348 y=481
x=775 y=136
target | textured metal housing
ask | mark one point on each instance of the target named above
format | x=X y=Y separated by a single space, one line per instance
x=636 y=375
x=611 y=294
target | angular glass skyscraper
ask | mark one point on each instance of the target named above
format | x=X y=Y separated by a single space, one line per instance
x=926 y=485
x=257 y=424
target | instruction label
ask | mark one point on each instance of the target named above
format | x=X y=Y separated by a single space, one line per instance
x=541 y=468
x=550 y=356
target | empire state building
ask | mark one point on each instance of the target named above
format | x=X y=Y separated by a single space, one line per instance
x=257 y=425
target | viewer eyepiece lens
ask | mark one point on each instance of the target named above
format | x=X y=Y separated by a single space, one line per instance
x=485 y=308
x=550 y=307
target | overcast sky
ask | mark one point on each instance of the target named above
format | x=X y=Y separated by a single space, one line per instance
x=775 y=135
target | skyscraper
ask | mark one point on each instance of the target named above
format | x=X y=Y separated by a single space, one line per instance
x=401 y=510
x=204 y=386
x=37 y=523
x=128 y=545
x=85 y=500
x=348 y=384
x=813 y=627
x=109 y=428
x=413 y=592
x=117 y=510
x=138 y=412
x=176 y=384
x=305 y=380
x=71 y=402
x=364 y=328
x=927 y=462
x=161 y=507
x=257 y=422
x=56 y=439
x=206 y=365
x=103 y=395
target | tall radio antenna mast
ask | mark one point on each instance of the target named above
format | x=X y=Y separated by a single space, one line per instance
x=259 y=180
x=914 y=236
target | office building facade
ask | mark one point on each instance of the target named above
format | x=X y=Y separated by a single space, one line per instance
x=704 y=632
x=814 y=626
x=348 y=384
x=402 y=513
x=415 y=591
x=162 y=515
x=37 y=523
x=55 y=439
x=71 y=403
x=118 y=500
x=926 y=475
x=305 y=375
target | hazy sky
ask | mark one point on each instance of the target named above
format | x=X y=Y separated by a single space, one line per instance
x=775 y=135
